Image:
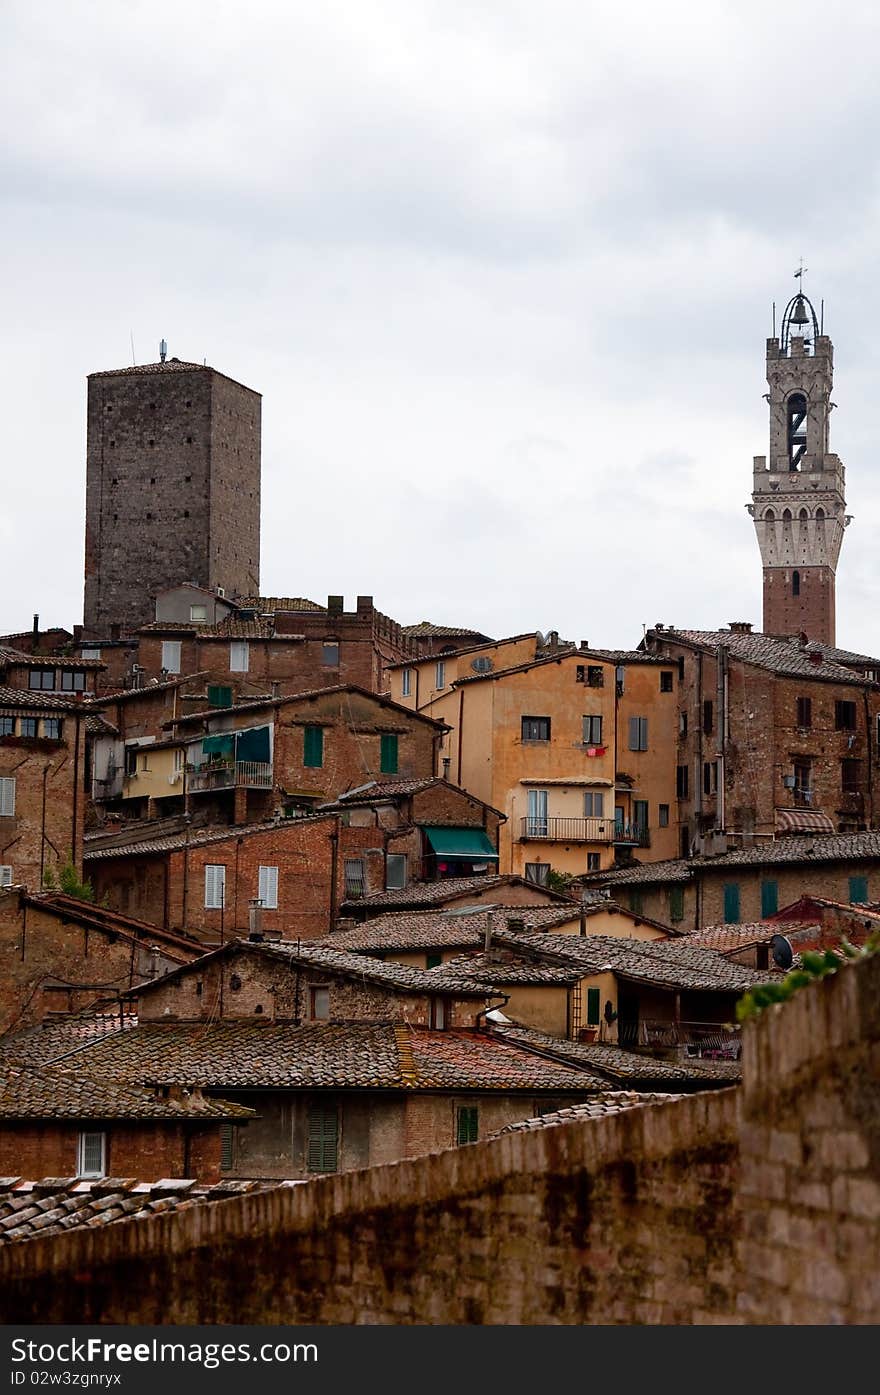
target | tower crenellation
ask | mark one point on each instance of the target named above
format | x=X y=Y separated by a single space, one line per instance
x=798 y=500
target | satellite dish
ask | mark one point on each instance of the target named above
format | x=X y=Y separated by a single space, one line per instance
x=497 y=1016
x=782 y=952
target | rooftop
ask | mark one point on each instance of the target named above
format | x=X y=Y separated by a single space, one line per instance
x=427 y=894
x=401 y=931
x=44 y=1092
x=787 y=657
x=813 y=848
x=615 y=1064
x=614 y=1102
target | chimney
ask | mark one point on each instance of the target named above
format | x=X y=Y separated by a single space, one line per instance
x=447 y=761
x=816 y=656
x=255 y=919
x=515 y=923
x=335 y=605
x=36 y=643
x=741 y=627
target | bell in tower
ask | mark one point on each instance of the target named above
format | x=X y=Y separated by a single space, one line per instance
x=798 y=503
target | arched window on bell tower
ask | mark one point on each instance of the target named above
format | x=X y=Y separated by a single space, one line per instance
x=795 y=583
x=797 y=429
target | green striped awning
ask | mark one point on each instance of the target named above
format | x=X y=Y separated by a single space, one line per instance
x=470 y=843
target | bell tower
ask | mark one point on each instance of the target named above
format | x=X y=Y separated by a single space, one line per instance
x=798 y=500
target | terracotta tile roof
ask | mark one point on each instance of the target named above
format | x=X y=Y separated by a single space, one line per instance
x=615 y=1063
x=613 y=1102
x=495 y=968
x=96 y=725
x=232 y=627
x=426 y=629
x=780 y=656
x=427 y=894
x=115 y=695
x=818 y=848
x=670 y=964
x=483 y=643
x=565 y=651
x=13 y=699
x=334 y=962
x=267 y=604
x=16 y=656
x=44 y=1092
x=632 y=656
x=442 y=929
x=32 y=1209
x=290 y=699
x=726 y=938
x=55 y=1038
x=149 y=847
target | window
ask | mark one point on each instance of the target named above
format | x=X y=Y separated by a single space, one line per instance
x=731 y=903
x=538 y=872
x=198 y=614
x=663 y=815
x=52 y=728
x=594 y=804
x=681 y=781
x=323 y=1146
x=592 y=731
x=440 y=676
x=708 y=717
x=42 y=678
x=676 y=904
x=666 y=680
x=267 y=887
x=7 y=798
x=433 y=961
x=388 y=753
x=27 y=726
x=640 y=814
x=594 y=862
x=313 y=746
x=72 y=681
x=682 y=723
x=438 y=1014
x=355 y=880
x=215 y=886
x=90 y=653
x=171 y=655
x=239 y=656
x=131 y=760
x=406 y=683
x=850 y=776
x=804 y=712
x=482 y=664
x=395 y=871
x=638 y=733
x=593 y=1003
x=5 y=875
x=467 y=1128
x=535 y=728
x=797 y=429
x=226 y=1147
x=635 y=901
x=802 y=791
x=710 y=777
x=619 y=679
x=219 y=695
x=769 y=899
x=91 y=1155
x=330 y=653
x=319 y=1003
x=7 y=726
x=178 y=758
x=858 y=890
x=536 y=814
x=845 y=716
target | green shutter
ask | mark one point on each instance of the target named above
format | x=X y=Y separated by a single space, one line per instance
x=676 y=903
x=769 y=898
x=313 y=746
x=219 y=696
x=635 y=902
x=388 y=754
x=858 y=889
x=468 y=1126
x=592 y=1007
x=323 y=1136
x=731 y=903
x=225 y=1147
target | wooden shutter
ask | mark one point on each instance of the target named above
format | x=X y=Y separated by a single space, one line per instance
x=215 y=885
x=225 y=1147
x=313 y=746
x=676 y=903
x=5 y=876
x=633 y=733
x=468 y=1124
x=388 y=754
x=769 y=898
x=323 y=1145
x=731 y=903
x=268 y=887
x=592 y=1007
x=7 y=798
x=858 y=889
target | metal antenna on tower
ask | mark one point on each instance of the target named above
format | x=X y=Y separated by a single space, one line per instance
x=163 y=350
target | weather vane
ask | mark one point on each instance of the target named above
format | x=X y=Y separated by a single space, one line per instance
x=798 y=276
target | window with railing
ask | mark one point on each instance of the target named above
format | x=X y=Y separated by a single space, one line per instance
x=355 y=878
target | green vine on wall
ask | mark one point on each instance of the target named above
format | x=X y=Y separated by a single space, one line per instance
x=815 y=964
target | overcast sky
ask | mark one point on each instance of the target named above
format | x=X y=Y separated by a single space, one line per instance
x=502 y=271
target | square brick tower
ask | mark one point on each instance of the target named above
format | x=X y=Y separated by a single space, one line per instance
x=172 y=489
x=798 y=502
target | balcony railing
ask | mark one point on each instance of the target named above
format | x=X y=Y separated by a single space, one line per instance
x=566 y=830
x=634 y=834
x=227 y=775
x=710 y=1040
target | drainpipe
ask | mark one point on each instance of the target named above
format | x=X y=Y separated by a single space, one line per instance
x=721 y=702
x=46 y=769
x=75 y=825
x=460 y=731
x=698 y=782
x=334 y=873
x=869 y=747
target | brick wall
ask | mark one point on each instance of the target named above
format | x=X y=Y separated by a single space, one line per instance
x=146 y=1149
x=47 y=825
x=758 y=1205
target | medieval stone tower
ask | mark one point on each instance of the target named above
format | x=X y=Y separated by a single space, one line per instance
x=798 y=500
x=172 y=489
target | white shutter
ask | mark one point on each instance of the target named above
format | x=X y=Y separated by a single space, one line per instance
x=91 y=1160
x=171 y=655
x=7 y=798
x=215 y=886
x=5 y=876
x=238 y=656
x=268 y=887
